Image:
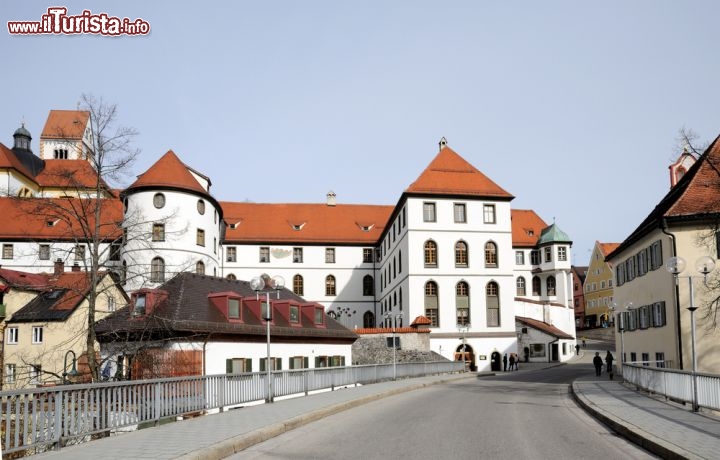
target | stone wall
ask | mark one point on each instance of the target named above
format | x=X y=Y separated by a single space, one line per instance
x=374 y=349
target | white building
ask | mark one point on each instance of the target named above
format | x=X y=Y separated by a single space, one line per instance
x=452 y=249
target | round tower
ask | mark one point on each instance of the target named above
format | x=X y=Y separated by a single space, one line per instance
x=172 y=224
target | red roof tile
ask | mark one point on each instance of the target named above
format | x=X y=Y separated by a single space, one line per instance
x=52 y=219
x=607 y=248
x=703 y=192
x=450 y=174
x=526 y=228
x=9 y=160
x=23 y=279
x=70 y=174
x=169 y=171
x=389 y=330
x=421 y=321
x=544 y=327
x=65 y=124
x=342 y=223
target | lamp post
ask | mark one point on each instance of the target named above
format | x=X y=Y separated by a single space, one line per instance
x=258 y=284
x=393 y=324
x=704 y=265
x=73 y=372
x=621 y=327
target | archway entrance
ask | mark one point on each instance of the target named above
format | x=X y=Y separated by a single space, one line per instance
x=467 y=354
x=495 y=361
x=368 y=319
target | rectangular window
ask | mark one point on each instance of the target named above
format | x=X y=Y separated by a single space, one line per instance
x=562 y=254
x=264 y=254
x=158 y=232
x=79 y=252
x=519 y=258
x=537 y=350
x=37 y=334
x=658 y=314
x=660 y=359
x=428 y=212
x=12 y=335
x=275 y=364
x=367 y=255
x=44 y=252
x=9 y=373
x=633 y=357
x=115 y=251
x=644 y=317
x=298 y=362
x=656 y=255
x=35 y=372
x=7 y=252
x=535 y=257
x=489 y=213
x=238 y=365
x=548 y=254
x=231 y=254
x=329 y=255
x=646 y=359
x=460 y=217
x=297 y=255
x=294 y=314
x=319 y=315
x=200 y=239
x=234 y=308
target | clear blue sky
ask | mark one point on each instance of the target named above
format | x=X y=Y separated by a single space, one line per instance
x=573 y=107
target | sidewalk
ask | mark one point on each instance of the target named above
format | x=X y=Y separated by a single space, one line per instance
x=666 y=429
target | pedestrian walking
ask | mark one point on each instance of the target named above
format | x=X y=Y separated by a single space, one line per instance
x=505 y=362
x=583 y=340
x=577 y=348
x=598 y=363
x=517 y=361
x=512 y=361
x=609 y=362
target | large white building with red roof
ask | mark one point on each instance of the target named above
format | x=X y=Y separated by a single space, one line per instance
x=451 y=250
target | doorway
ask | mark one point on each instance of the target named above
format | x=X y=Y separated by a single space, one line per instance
x=466 y=353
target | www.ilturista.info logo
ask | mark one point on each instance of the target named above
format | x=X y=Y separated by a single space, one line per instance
x=57 y=22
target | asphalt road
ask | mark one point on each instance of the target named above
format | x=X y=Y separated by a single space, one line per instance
x=523 y=415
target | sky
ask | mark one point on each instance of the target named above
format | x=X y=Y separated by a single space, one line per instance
x=572 y=107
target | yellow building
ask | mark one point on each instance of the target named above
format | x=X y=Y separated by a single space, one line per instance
x=598 y=286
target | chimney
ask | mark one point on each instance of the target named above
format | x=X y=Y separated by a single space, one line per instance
x=76 y=267
x=442 y=143
x=331 y=198
x=59 y=267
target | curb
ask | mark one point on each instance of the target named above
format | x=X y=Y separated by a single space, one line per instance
x=241 y=442
x=630 y=432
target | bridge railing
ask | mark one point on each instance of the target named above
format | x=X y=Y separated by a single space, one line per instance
x=40 y=419
x=674 y=383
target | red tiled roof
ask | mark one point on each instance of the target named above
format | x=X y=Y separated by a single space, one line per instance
x=389 y=330
x=9 y=160
x=421 y=321
x=70 y=174
x=451 y=174
x=169 y=171
x=23 y=279
x=526 y=227
x=544 y=327
x=342 y=223
x=607 y=248
x=65 y=124
x=56 y=218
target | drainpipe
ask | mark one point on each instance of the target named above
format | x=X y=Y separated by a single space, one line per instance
x=664 y=229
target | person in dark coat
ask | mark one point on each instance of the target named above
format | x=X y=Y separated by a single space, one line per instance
x=512 y=361
x=609 y=361
x=505 y=362
x=598 y=363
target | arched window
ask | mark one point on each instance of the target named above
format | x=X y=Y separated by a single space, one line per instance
x=461 y=254
x=520 y=286
x=231 y=277
x=550 y=284
x=200 y=268
x=430 y=254
x=535 y=285
x=431 y=303
x=368 y=319
x=330 y=285
x=491 y=256
x=492 y=300
x=368 y=285
x=462 y=303
x=298 y=285
x=157 y=270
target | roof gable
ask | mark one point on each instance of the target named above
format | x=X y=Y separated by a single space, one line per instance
x=526 y=227
x=543 y=327
x=450 y=174
x=65 y=124
x=170 y=172
x=9 y=160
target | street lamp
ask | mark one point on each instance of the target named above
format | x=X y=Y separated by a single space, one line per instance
x=704 y=265
x=393 y=323
x=258 y=284
x=463 y=329
x=621 y=327
x=73 y=372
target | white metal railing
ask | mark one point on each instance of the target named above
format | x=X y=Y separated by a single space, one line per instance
x=39 y=419
x=675 y=384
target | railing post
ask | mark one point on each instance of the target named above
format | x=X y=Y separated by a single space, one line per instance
x=158 y=403
x=221 y=385
x=58 y=419
x=306 y=374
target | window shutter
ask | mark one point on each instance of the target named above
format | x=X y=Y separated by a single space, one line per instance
x=262 y=364
x=248 y=365
x=305 y=362
x=228 y=366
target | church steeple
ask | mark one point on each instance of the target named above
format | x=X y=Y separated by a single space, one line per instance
x=22 y=138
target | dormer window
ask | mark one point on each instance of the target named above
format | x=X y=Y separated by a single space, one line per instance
x=140 y=304
x=294 y=314
x=319 y=316
x=51 y=222
x=234 y=308
x=297 y=226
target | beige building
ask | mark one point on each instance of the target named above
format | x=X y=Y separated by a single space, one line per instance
x=45 y=324
x=653 y=320
x=598 y=286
